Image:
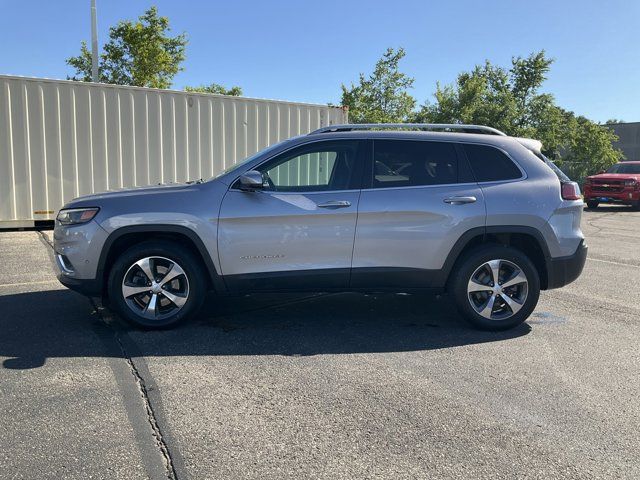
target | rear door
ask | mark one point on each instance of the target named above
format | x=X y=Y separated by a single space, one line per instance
x=419 y=198
x=297 y=232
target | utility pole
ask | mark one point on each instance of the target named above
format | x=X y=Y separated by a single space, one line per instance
x=94 y=43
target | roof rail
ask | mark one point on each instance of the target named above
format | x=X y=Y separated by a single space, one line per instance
x=412 y=126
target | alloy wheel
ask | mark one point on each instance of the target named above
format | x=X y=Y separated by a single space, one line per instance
x=497 y=289
x=155 y=288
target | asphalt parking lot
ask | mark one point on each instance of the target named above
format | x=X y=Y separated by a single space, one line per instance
x=324 y=386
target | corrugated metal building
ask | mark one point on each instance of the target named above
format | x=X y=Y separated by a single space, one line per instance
x=629 y=139
x=61 y=139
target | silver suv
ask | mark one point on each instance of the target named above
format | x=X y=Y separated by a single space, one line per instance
x=401 y=208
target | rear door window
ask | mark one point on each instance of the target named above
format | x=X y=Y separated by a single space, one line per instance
x=407 y=163
x=490 y=164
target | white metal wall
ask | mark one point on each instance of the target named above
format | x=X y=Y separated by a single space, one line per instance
x=62 y=139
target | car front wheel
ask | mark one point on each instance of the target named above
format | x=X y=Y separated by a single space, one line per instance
x=156 y=284
x=592 y=205
x=495 y=288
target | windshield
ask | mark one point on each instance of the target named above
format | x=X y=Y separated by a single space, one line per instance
x=625 y=168
x=235 y=166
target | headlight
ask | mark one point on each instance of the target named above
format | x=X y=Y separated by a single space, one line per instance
x=629 y=183
x=75 y=216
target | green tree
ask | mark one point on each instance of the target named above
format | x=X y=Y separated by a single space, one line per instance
x=217 y=89
x=139 y=53
x=589 y=148
x=510 y=100
x=381 y=97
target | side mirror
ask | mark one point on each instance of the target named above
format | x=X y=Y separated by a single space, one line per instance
x=252 y=180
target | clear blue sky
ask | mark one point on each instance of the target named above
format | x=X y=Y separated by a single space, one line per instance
x=303 y=50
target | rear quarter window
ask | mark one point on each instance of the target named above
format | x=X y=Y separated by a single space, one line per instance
x=489 y=164
x=559 y=173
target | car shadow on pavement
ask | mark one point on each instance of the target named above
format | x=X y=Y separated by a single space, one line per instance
x=43 y=325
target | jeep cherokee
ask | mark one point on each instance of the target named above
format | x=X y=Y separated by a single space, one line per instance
x=386 y=207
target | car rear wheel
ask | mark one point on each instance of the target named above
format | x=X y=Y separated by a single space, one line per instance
x=592 y=205
x=156 y=285
x=495 y=288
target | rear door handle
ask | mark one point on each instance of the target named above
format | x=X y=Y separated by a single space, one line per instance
x=459 y=200
x=335 y=204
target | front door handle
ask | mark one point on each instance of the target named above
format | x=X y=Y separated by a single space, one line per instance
x=459 y=200
x=335 y=204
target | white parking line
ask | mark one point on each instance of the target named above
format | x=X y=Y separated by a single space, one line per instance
x=22 y=284
x=615 y=263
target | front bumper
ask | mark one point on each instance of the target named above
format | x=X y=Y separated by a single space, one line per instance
x=563 y=270
x=88 y=287
x=628 y=196
x=76 y=252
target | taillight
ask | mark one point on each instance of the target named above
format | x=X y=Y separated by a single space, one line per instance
x=570 y=191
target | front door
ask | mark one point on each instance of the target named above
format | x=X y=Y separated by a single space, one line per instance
x=298 y=231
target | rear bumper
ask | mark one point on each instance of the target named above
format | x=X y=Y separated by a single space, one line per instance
x=563 y=270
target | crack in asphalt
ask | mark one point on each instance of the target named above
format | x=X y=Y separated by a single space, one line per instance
x=159 y=438
x=629 y=312
x=151 y=417
x=45 y=238
x=590 y=222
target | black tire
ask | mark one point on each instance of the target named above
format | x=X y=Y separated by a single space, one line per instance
x=196 y=284
x=592 y=205
x=471 y=262
x=636 y=205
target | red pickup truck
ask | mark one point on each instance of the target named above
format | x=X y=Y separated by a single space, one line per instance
x=619 y=184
